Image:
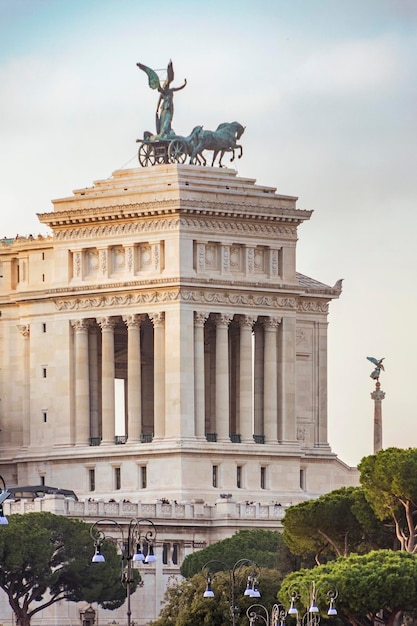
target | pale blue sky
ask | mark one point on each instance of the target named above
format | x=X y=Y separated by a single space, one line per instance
x=327 y=90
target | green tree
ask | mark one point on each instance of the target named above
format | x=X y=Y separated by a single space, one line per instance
x=185 y=604
x=381 y=584
x=389 y=479
x=267 y=548
x=45 y=558
x=334 y=525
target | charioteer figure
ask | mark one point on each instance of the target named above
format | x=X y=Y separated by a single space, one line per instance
x=165 y=106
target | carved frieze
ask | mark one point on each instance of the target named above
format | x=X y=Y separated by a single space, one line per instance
x=313 y=306
x=199 y=296
x=244 y=226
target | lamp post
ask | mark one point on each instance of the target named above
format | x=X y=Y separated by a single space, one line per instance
x=132 y=548
x=258 y=612
x=236 y=575
x=309 y=595
x=4 y=494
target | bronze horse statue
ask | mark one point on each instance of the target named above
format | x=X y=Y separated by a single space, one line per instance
x=223 y=139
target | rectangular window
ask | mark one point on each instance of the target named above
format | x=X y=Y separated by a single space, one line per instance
x=239 y=476
x=117 y=479
x=263 y=477
x=215 y=475
x=92 y=479
x=303 y=479
x=42 y=480
x=44 y=328
x=165 y=548
x=143 y=477
x=175 y=554
x=44 y=416
x=44 y=372
x=43 y=256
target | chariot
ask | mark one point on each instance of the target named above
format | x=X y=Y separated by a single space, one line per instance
x=157 y=151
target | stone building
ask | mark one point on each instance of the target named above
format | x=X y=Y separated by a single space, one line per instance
x=159 y=349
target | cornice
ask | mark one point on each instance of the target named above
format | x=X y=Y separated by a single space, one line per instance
x=59 y=221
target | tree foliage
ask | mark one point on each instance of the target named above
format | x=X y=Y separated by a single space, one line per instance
x=45 y=558
x=389 y=479
x=185 y=605
x=380 y=583
x=267 y=548
x=334 y=525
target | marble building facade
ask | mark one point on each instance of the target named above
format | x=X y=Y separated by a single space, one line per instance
x=160 y=345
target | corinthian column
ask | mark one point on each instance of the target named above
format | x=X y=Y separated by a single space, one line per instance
x=134 y=385
x=246 y=378
x=270 y=379
x=158 y=320
x=222 y=377
x=199 y=319
x=82 y=383
x=107 y=325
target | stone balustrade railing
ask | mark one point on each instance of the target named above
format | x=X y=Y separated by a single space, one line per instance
x=91 y=508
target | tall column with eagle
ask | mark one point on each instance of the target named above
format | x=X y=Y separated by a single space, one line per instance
x=377 y=396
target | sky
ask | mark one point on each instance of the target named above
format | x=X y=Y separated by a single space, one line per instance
x=327 y=91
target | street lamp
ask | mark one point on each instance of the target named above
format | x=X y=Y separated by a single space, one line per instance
x=132 y=548
x=258 y=612
x=235 y=579
x=4 y=494
x=310 y=595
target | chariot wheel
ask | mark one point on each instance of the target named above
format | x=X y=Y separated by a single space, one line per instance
x=146 y=155
x=177 y=151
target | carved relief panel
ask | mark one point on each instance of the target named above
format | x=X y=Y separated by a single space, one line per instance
x=118 y=260
x=91 y=262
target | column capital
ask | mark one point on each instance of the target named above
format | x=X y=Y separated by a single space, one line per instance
x=157 y=318
x=24 y=330
x=107 y=323
x=223 y=319
x=247 y=321
x=271 y=323
x=80 y=325
x=133 y=320
x=378 y=395
x=200 y=318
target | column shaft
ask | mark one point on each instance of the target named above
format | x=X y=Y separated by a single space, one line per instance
x=222 y=377
x=158 y=320
x=95 y=425
x=270 y=380
x=134 y=384
x=107 y=379
x=82 y=383
x=199 y=396
x=246 y=379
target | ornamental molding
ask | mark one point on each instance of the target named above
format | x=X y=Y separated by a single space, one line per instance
x=278 y=209
x=312 y=306
x=200 y=296
x=138 y=226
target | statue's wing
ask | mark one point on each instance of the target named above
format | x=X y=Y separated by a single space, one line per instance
x=170 y=72
x=152 y=76
x=374 y=361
